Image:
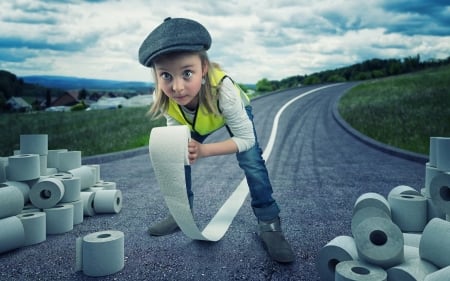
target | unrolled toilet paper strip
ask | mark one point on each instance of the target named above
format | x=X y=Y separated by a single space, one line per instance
x=69 y=160
x=108 y=201
x=72 y=187
x=440 y=192
x=88 y=203
x=411 y=269
x=23 y=167
x=380 y=242
x=23 y=187
x=100 y=253
x=12 y=235
x=46 y=193
x=443 y=154
x=435 y=245
x=402 y=189
x=359 y=271
x=34 y=144
x=439 y=275
x=168 y=153
x=372 y=199
x=59 y=219
x=409 y=212
x=365 y=213
x=86 y=175
x=341 y=248
x=11 y=200
x=34 y=225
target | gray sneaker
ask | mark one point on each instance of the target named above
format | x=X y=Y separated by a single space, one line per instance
x=164 y=227
x=275 y=243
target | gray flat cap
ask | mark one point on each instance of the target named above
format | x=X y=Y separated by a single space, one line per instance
x=174 y=34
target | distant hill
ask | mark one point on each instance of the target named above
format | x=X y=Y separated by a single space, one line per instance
x=70 y=83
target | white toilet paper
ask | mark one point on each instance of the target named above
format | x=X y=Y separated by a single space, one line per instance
x=86 y=175
x=108 y=201
x=59 y=219
x=68 y=160
x=23 y=167
x=34 y=225
x=440 y=192
x=34 y=144
x=435 y=243
x=23 y=187
x=12 y=235
x=411 y=270
x=88 y=203
x=443 y=154
x=72 y=187
x=102 y=253
x=409 y=212
x=380 y=242
x=412 y=239
x=46 y=192
x=11 y=200
x=402 y=189
x=105 y=185
x=341 y=248
x=78 y=212
x=359 y=271
x=53 y=157
x=439 y=275
x=367 y=212
x=433 y=151
x=96 y=171
x=410 y=252
x=371 y=199
x=430 y=173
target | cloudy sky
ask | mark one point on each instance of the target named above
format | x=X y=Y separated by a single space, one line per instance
x=252 y=39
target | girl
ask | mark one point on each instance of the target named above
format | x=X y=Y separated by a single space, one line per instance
x=190 y=90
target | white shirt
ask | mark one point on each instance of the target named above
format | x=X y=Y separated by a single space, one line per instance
x=233 y=110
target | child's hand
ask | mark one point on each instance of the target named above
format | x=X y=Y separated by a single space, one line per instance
x=194 y=149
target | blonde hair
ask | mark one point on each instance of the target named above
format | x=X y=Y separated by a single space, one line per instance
x=208 y=94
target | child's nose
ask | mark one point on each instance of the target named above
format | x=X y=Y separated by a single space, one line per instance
x=177 y=84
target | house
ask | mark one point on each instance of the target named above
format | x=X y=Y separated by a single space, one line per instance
x=69 y=98
x=18 y=104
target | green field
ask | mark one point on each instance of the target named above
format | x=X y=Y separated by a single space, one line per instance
x=403 y=111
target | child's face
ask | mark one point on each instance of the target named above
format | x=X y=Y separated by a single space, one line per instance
x=180 y=77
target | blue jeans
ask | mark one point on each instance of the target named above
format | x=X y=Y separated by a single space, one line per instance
x=264 y=206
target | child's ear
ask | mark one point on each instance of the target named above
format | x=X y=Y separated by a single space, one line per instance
x=205 y=69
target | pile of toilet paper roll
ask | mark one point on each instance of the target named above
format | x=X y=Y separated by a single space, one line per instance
x=405 y=236
x=46 y=192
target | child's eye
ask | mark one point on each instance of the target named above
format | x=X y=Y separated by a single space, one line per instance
x=166 y=76
x=187 y=74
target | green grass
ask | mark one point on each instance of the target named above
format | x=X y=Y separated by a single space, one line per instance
x=92 y=132
x=403 y=111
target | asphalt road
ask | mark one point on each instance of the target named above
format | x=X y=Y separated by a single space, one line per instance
x=317 y=170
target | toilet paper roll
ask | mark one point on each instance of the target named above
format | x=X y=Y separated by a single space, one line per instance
x=440 y=192
x=371 y=199
x=102 y=253
x=86 y=175
x=380 y=242
x=96 y=170
x=11 y=200
x=412 y=239
x=105 y=185
x=29 y=208
x=435 y=243
x=108 y=201
x=432 y=210
x=72 y=187
x=69 y=160
x=23 y=167
x=12 y=235
x=359 y=271
x=433 y=151
x=23 y=187
x=409 y=212
x=367 y=212
x=443 y=154
x=46 y=193
x=341 y=248
x=59 y=219
x=439 y=275
x=53 y=157
x=34 y=225
x=411 y=270
x=43 y=165
x=88 y=203
x=402 y=189
x=34 y=144
x=78 y=212
x=430 y=173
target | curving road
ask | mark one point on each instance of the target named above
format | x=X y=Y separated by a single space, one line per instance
x=317 y=170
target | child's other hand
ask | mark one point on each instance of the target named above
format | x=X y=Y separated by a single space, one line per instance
x=194 y=149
